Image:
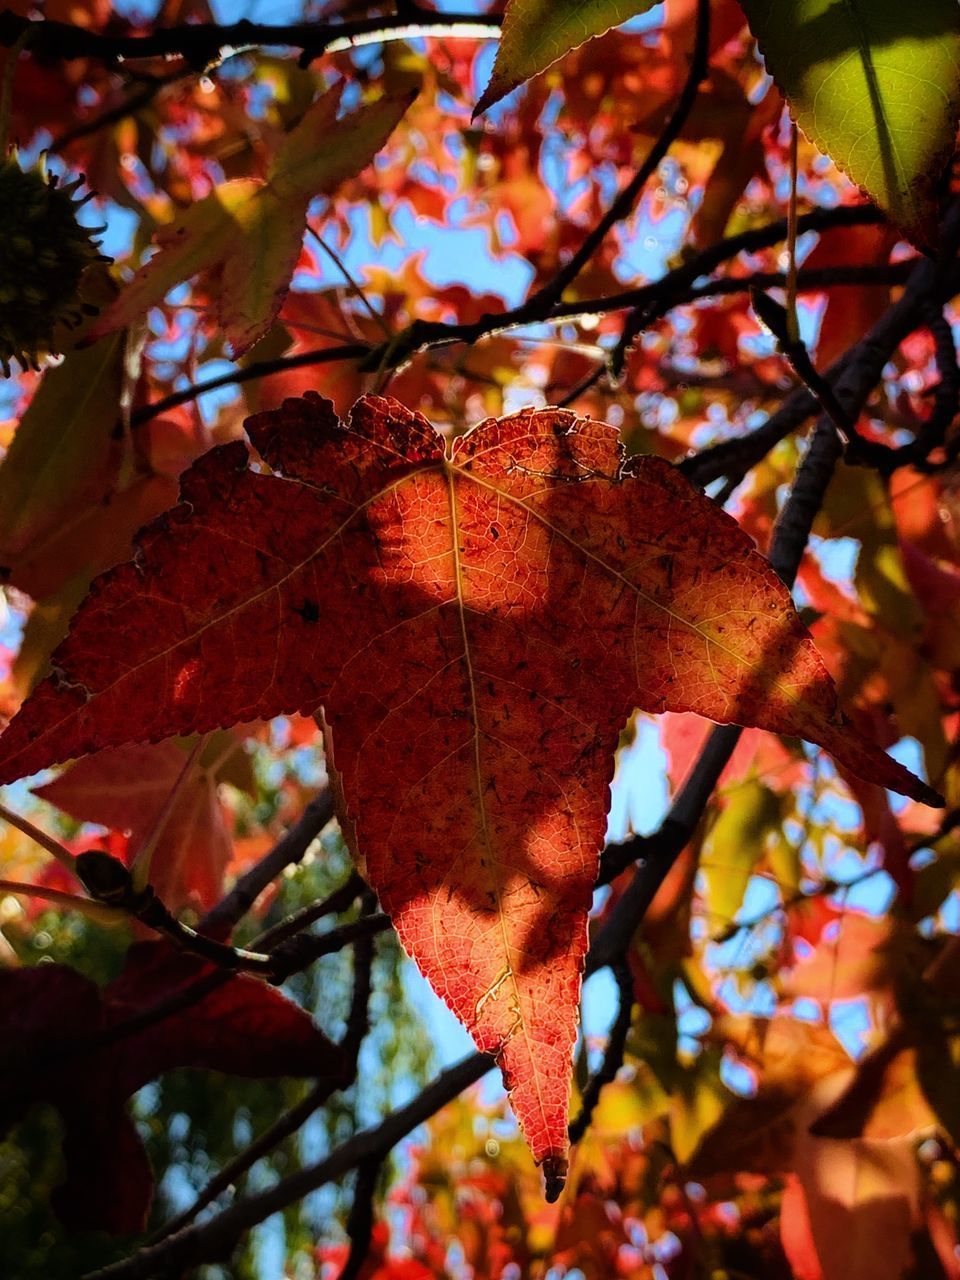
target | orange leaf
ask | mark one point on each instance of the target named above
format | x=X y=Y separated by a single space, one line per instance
x=862 y=1197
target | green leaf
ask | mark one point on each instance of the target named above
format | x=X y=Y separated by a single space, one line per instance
x=876 y=85
x=735 y=846
x=62 y=449
x=538 y=32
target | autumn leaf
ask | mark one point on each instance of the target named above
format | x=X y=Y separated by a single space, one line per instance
x=850 y=311
x=876 y=85
x=477 y=625
x=249 y=231
x=849 y=1206
x=862 y=1199
x=50 y=1020
x=127 y=789
x=538 y=32
x=857 y=954
x=62 y=449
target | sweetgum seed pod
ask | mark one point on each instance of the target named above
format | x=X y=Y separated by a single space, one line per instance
x=44 y=251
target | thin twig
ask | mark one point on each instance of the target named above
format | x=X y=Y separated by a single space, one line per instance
x=853 y=377
x=141 y=96
x=108 y=881
x=66 y=901
x=293 y=1119
x=52 y=846
x=288 y=1124
x=584 y=385
x=613 y=1055
x=214 y=1239
x=197 y=989
x=248 y=373
x=300 y=952
x=288 y=851
x=627 y=197
x=297 y=921
x=794 y=350
x=355 y=288
x=673 y=289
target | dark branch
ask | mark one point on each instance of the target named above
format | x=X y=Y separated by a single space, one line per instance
x=297 y=1116
x=297 y=921
x=301 y=951
x=215 y=1239
x=360 y=1221
x=203 y=44
x=109 y=881
x=613 y=1056
x=190 y=994
x=289 y=850
x=674 y=289
x=853 y=377
x=660 y=851
x=626 y=199
x=248 y=373
x=860 y=371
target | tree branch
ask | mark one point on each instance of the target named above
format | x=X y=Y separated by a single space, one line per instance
x=204 y=43
x=853 y=377
x=214 y=1239
x=360 y=1221
x=247 y=373
x=674 y=289
x=613 y=1055
x=659 y=851
x=290 y=849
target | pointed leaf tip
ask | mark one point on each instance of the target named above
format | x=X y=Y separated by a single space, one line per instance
x=537 y=33
x=554 y=1177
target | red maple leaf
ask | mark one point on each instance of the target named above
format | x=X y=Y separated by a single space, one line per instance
x=477 y=624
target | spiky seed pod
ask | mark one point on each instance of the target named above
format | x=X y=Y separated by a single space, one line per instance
x=43 y=253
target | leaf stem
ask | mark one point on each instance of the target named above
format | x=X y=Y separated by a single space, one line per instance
x=52 y=846
x=69 y=901
x=793 y=323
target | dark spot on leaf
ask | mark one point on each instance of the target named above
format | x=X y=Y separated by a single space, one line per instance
x=309 y=611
